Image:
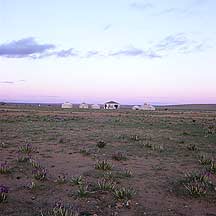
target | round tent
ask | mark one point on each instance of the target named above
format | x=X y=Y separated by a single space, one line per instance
x=136 y=108
x=67 y=105
x=111 y=105
x=95 y=106
x=83 y=106
x=146 y=106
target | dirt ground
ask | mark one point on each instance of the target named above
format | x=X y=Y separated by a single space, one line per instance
x=150 y=154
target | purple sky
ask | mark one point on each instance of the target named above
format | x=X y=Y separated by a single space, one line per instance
x=161 y=52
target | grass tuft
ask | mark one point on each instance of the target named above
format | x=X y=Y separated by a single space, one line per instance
x=105 y=185
x=27 y=149
x=123 y=193
x=77 y=180
x=103 y=165
x=4 y=168
x=3 y=193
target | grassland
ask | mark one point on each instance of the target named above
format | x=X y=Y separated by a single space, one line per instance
x=107 y=162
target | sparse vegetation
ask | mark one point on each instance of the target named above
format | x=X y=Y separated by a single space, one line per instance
x=127 y=173
x=154 y=147
x=85 y=152
x=124 y=193
x=4 y=168
x=118 y=156
x=101 y=144
x=106 y=185
x=212 y=168
x=192 y=147
x=3 y=193
x=61 y=179
x=77 y=180
x=139 y=151
x=197 y=177
x=197 y=184
x=82 y=191
x=40 y=174
x=60 y=210
x=204 y=160
x=135 y=137
x=32 y=185
x=196 y=189
x=27 y=149
x=34 y=164
x=103 y=165
x=108 y=175
x=23 y=158
x=3 y=145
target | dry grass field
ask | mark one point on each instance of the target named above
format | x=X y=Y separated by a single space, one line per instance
x=102 y=163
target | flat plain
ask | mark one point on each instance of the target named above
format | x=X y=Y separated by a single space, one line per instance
x=102 y=162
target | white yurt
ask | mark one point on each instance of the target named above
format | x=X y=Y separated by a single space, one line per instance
x=136 y=108
x=146 y=106
x=95 y=106
x=67 y=105
x=83 y=106
x=111 y=105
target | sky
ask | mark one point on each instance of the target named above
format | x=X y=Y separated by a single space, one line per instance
x=155 y=51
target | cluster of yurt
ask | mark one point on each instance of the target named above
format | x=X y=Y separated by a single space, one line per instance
x=68 y=105
x=145 y=106
x=110 y=105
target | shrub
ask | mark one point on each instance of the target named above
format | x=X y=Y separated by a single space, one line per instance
x=101 y=144
x=192 y=147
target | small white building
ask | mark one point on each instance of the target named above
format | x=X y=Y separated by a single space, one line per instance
x=146 y=106
x=112 y=105
x=136 y=108
x=67 y=105
x=83 y=106
x=95 y=106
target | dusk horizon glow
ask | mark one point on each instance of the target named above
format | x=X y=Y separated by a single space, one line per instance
x=159 y=52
